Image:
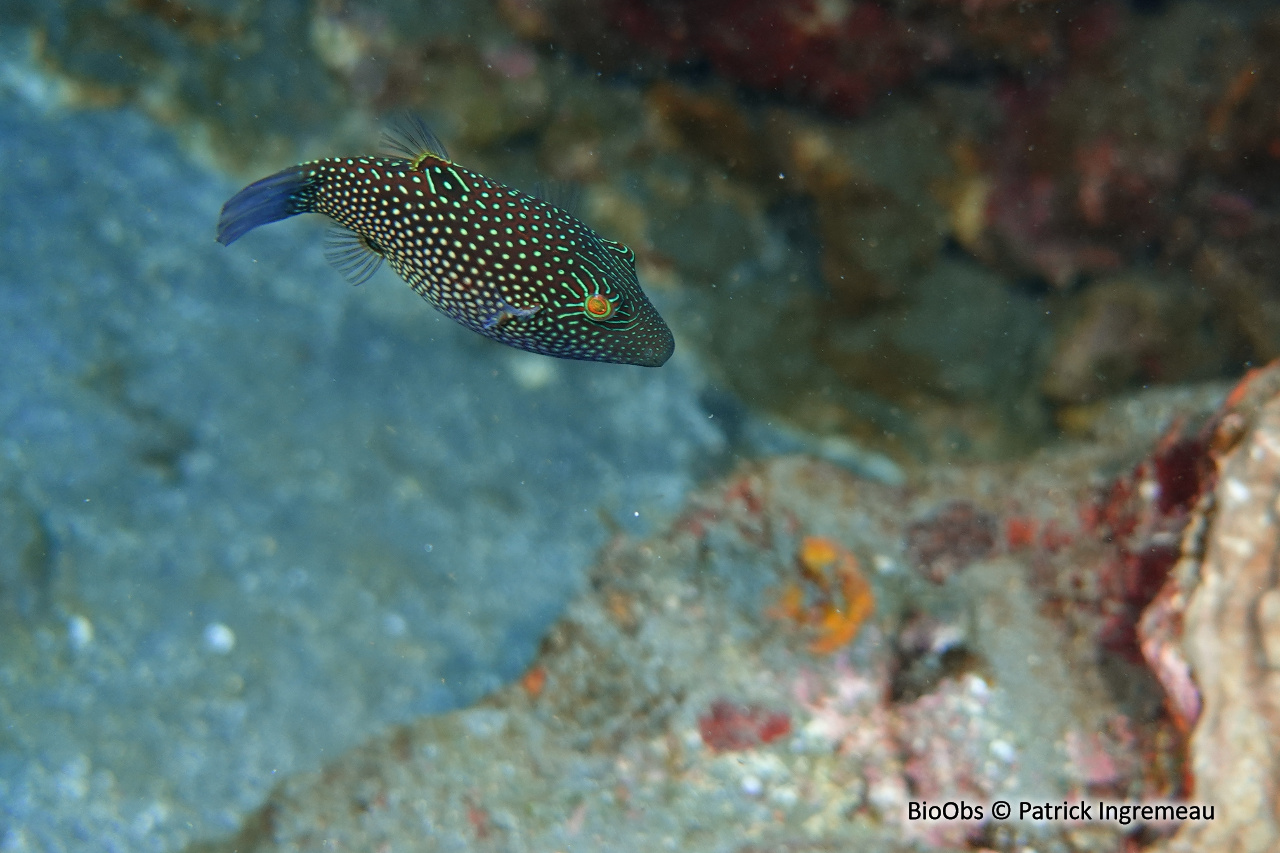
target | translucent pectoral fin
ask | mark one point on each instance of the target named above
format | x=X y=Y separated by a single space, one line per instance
x=352 y=254
x=505 y=313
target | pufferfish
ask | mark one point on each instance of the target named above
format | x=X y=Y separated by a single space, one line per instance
x=510 y=266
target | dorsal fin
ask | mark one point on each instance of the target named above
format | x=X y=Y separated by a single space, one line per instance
x=622 y=249
x=408 y=136
x=352 y=255
x=562 y=194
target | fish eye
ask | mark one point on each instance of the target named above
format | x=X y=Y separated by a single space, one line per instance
x=599 y=307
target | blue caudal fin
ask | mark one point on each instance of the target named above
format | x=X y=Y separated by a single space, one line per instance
x=271 y=199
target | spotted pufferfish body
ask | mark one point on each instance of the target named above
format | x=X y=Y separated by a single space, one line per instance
x=507 y=265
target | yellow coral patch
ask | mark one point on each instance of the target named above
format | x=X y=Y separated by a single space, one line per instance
x=842 y=597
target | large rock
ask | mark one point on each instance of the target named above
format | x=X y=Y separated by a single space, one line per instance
x=248 y=514
x=1232 y=633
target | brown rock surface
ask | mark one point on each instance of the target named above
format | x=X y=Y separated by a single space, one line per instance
x=683 y=703
x=1232 y=640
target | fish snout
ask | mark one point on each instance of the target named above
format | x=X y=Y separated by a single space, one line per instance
x=656 y=354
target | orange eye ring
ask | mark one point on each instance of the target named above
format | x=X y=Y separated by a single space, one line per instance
x=599 y=307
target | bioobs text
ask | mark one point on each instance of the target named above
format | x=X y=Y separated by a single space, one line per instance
x=950 y=810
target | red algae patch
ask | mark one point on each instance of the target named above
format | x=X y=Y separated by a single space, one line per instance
x=950 y=539
x=729 y=727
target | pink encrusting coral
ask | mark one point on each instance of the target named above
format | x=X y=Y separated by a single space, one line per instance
x=841 y=56
x=1065 y=200
x=1142 y=514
